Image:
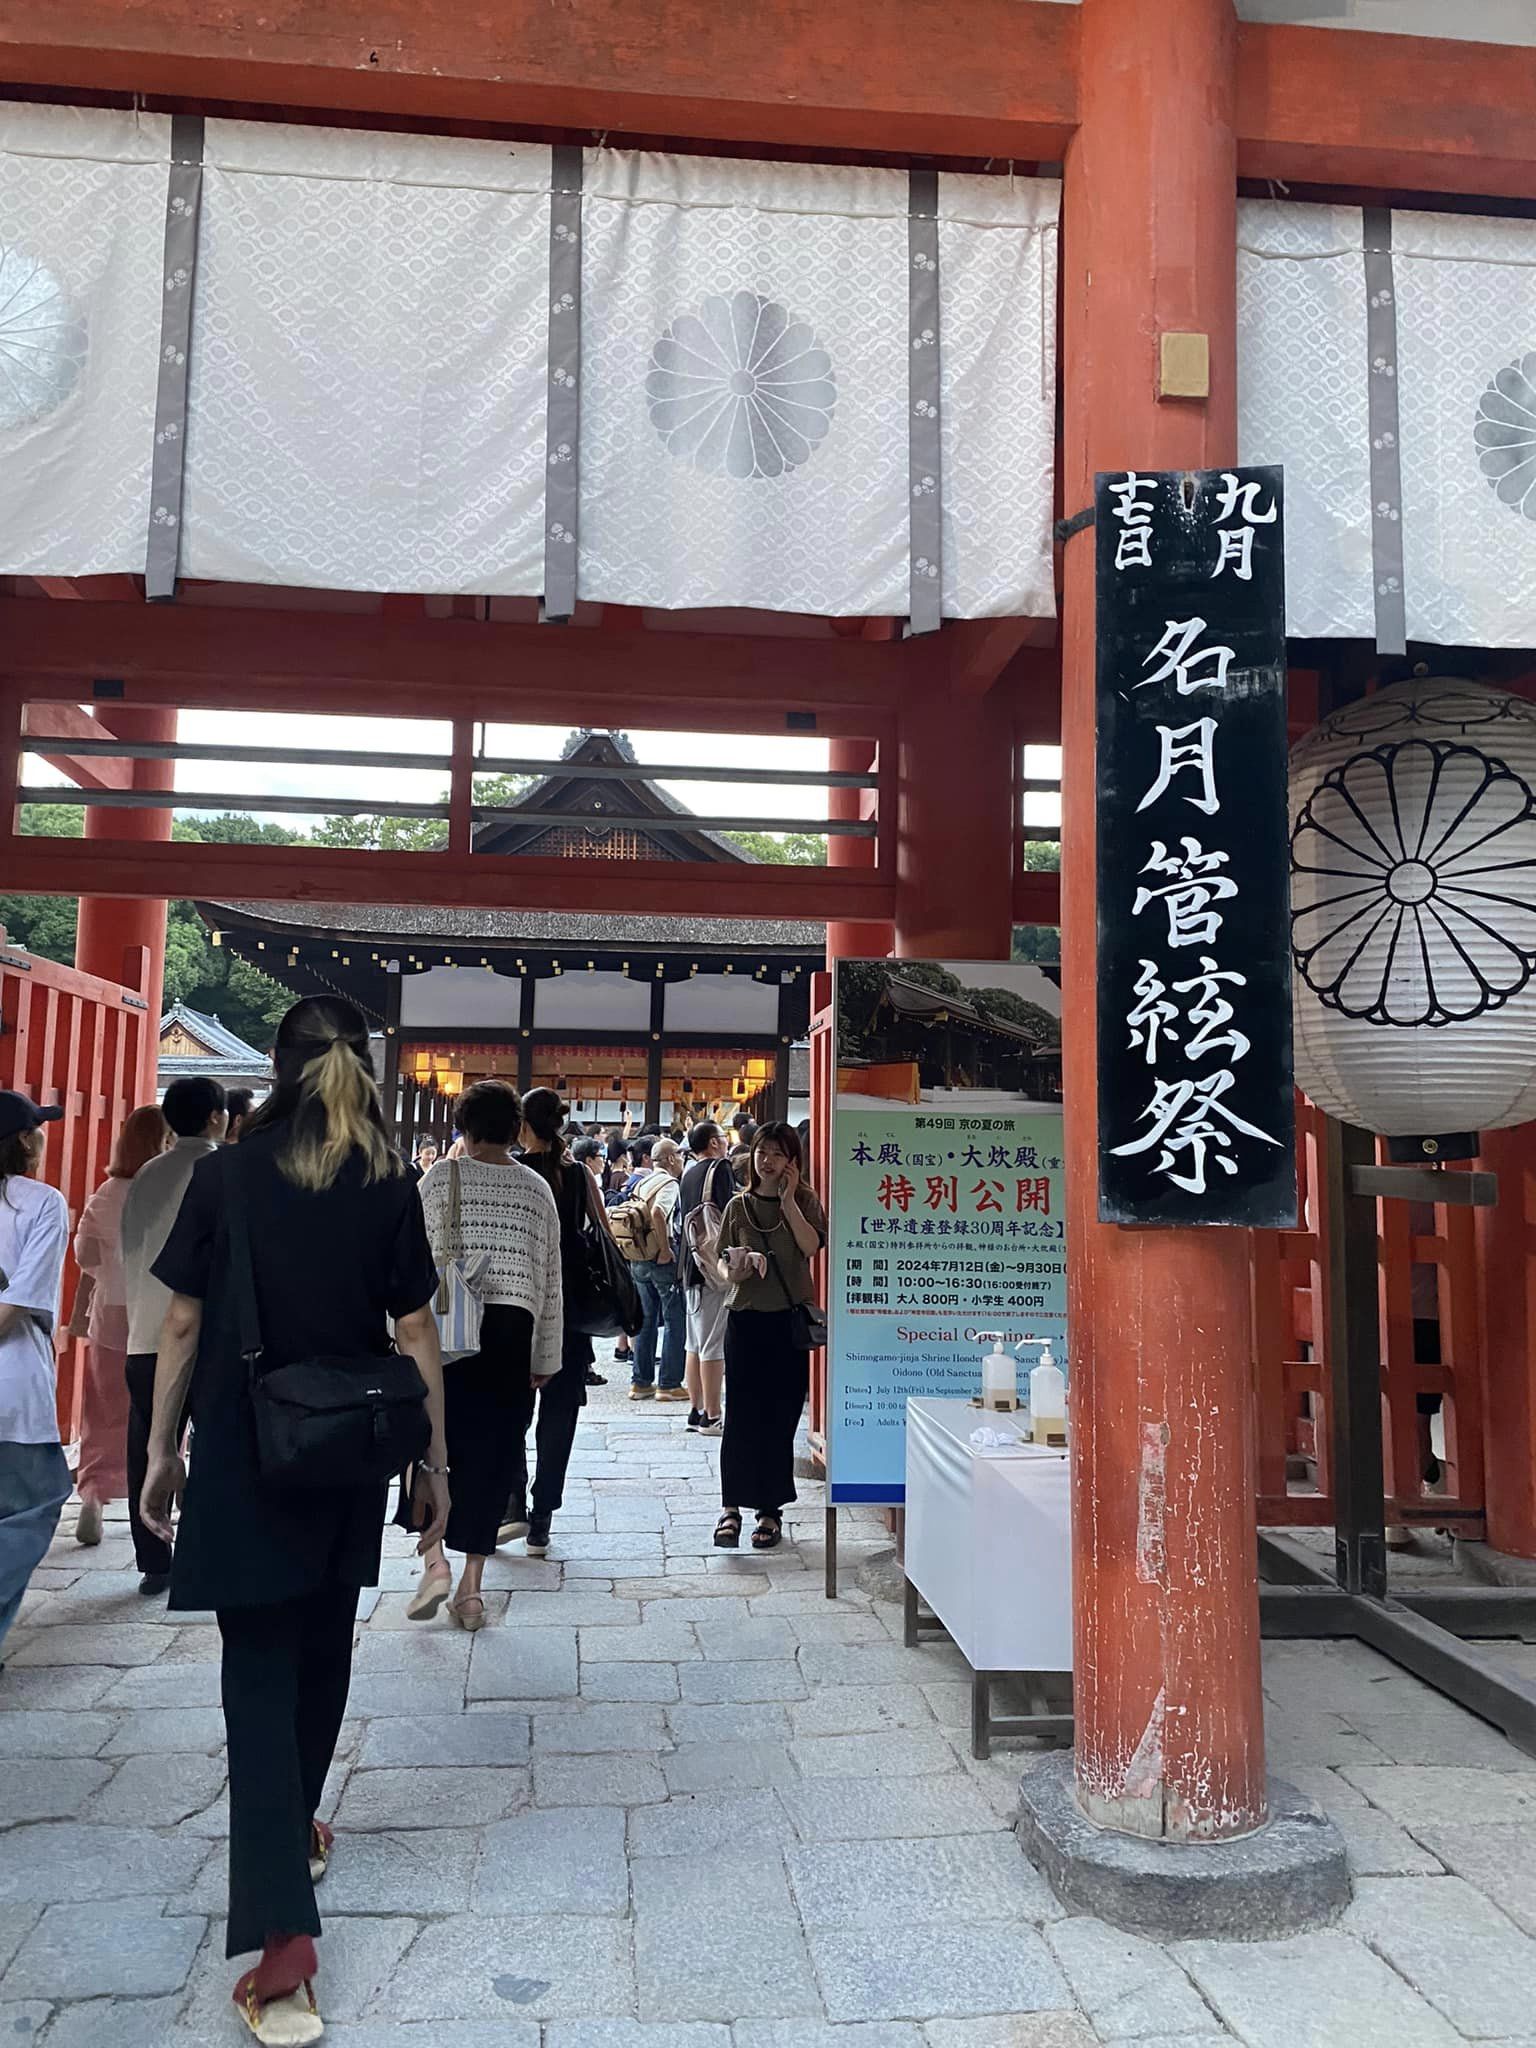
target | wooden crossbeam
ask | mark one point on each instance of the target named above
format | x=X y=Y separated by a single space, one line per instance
x=298 y=874
x=212 y=656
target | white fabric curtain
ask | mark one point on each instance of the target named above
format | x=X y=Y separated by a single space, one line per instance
x=1302 y=402
x=369 y=371
x=82 y=224
x=370 y=334
x=744 y=393
x=1466 y=304
x=1464 y=383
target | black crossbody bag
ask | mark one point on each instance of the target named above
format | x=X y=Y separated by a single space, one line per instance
x=323 y=1423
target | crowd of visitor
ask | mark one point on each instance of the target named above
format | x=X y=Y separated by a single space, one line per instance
x=282 y=1317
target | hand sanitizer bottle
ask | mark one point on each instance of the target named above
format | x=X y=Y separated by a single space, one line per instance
x=1047 y=1399
x=999 y=1376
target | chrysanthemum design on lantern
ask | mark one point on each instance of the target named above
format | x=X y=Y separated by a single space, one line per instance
x=1506 y=435
x=1413 y=870
x=740 y=388
x=42 y=340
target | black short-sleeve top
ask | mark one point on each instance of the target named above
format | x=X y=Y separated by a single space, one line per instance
x=332 y=1268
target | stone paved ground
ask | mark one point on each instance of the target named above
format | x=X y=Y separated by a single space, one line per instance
x=674 y=1798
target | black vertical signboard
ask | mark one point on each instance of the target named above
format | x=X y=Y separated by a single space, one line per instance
x=1196 y=1109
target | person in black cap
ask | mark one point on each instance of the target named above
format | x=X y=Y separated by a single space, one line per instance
x=34 y=1236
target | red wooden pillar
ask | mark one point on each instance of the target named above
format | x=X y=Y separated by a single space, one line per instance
x=848 y=939
x=1169 y=1714
x=957 y=813
x=1507 y=1265
x=122 y=938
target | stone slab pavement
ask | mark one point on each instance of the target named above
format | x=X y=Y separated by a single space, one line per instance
x=674 y=1798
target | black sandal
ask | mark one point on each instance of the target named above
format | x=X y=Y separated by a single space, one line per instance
x=769 y=1533
x=728 y=1530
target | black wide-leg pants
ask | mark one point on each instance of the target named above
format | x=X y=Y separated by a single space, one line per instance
x=287 y=1670
x=766 y=1383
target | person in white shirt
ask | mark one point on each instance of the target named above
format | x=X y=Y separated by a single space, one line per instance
x=102 y=1472
x=34 y=1236
x=507 y=1211
x=194 y=1109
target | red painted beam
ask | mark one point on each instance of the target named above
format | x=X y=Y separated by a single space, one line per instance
x=1395 y=113
x=996 y=77
x=979 y=650
x=60 y=721
x=300 y=874
x=195 y=655
x=1037 y=898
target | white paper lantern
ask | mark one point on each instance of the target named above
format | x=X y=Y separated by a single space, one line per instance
x=1413 y=910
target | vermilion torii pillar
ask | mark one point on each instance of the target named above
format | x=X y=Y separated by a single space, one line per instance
x=1169 y=1715
x=122 y=938
x=848 y=939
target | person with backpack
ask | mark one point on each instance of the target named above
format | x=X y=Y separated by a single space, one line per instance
x=642 y=1229
x=706 y=1191
x=768 y=1238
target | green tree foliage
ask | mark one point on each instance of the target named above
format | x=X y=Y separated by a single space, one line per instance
x=1011 y=1008
x=929 y=974
x=414 y=835
x=860 y=984
x=1040 y=943
x=198 y=973
x=387 y=835
x=784 y=849
x=45 y=924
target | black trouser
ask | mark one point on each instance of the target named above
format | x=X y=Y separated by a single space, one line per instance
x=561 y=1401
x=487 y=1404
x=287 y=1669
x=151 y=1553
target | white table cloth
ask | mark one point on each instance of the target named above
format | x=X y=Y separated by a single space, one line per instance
x=989 y=1538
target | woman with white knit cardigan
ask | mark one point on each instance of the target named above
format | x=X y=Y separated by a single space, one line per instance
x=506 y=1210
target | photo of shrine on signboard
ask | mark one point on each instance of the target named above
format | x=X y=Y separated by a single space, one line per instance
x=1196 y=1103
x=948 y=1196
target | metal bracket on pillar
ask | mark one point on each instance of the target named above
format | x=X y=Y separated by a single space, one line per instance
x=1080 y=522
x=1426 y=1184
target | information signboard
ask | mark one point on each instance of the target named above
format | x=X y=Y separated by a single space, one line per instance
x=947 y=1197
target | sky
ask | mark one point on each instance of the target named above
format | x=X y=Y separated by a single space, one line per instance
x=247 y=782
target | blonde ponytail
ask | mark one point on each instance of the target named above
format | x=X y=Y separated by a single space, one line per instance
x=339 y=1094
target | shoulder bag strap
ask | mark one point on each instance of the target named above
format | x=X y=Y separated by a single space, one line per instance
x=241 y=1269
x=453 y=1246
x=765 y=1238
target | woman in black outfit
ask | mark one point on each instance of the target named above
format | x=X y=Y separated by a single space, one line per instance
x=768 y=1237
x=561 y=1399
x=339 y=1248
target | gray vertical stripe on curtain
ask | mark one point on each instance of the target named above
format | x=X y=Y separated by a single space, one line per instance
x=1385 y=430
x=562 y=467
x=924 y=452
x=183 y=207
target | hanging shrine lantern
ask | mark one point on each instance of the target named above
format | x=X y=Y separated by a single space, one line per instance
x=1413 y=910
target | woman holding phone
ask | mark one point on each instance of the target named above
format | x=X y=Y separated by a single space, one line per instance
x=768 y=1237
